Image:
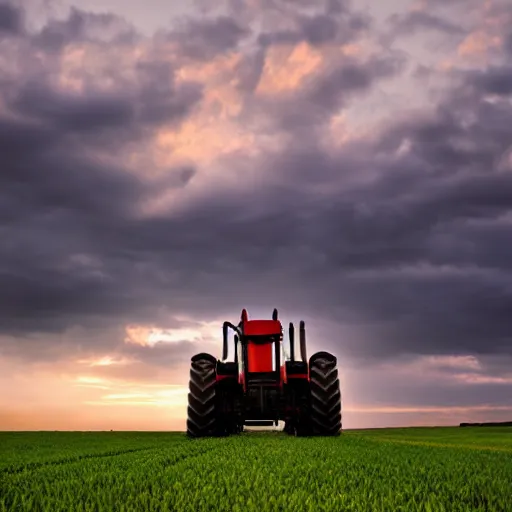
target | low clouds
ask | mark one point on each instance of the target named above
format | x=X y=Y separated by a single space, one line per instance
x=496 y=80
x=398 y=236
x=415 y=21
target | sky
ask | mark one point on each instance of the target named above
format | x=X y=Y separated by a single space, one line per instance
x=163 y=167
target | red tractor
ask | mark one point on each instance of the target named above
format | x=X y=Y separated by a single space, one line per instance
x=260 y=387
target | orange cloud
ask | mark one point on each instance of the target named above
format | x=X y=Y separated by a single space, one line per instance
x=138 y=335
x=88 y=63
x=287 y=67
x=202 y=139
x=210 y=132
x=478 y=44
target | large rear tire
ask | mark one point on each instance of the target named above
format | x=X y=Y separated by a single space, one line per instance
x=325 y=395
x=202 y=415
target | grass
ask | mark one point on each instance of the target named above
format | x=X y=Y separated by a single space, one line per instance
x=415 y=469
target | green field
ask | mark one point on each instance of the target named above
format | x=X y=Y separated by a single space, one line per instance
x=428 y=469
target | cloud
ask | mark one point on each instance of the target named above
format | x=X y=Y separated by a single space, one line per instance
x=420 y=20
x=204 y=39
x=508 y=44
x=332 y=24
x=11 y=19
x=92 y=110
x=84 y=26
x=495 y=81
x=347 y=78
x=73 y=112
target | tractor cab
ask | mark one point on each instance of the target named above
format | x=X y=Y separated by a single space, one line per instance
x=257 y=348
x=262 y=339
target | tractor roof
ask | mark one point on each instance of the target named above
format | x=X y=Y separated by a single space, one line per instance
x=262 y=327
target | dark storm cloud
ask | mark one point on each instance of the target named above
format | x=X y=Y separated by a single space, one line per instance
x=402 y=237
x=11 y=19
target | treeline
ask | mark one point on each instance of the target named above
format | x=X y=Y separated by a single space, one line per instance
x=493 y=424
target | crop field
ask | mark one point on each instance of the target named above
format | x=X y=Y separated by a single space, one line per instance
x=415 y=469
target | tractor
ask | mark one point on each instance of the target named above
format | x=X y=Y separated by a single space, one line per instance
x=260 y=388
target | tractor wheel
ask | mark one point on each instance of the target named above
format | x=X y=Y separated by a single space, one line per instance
x=325 y=395
x=202 y=400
